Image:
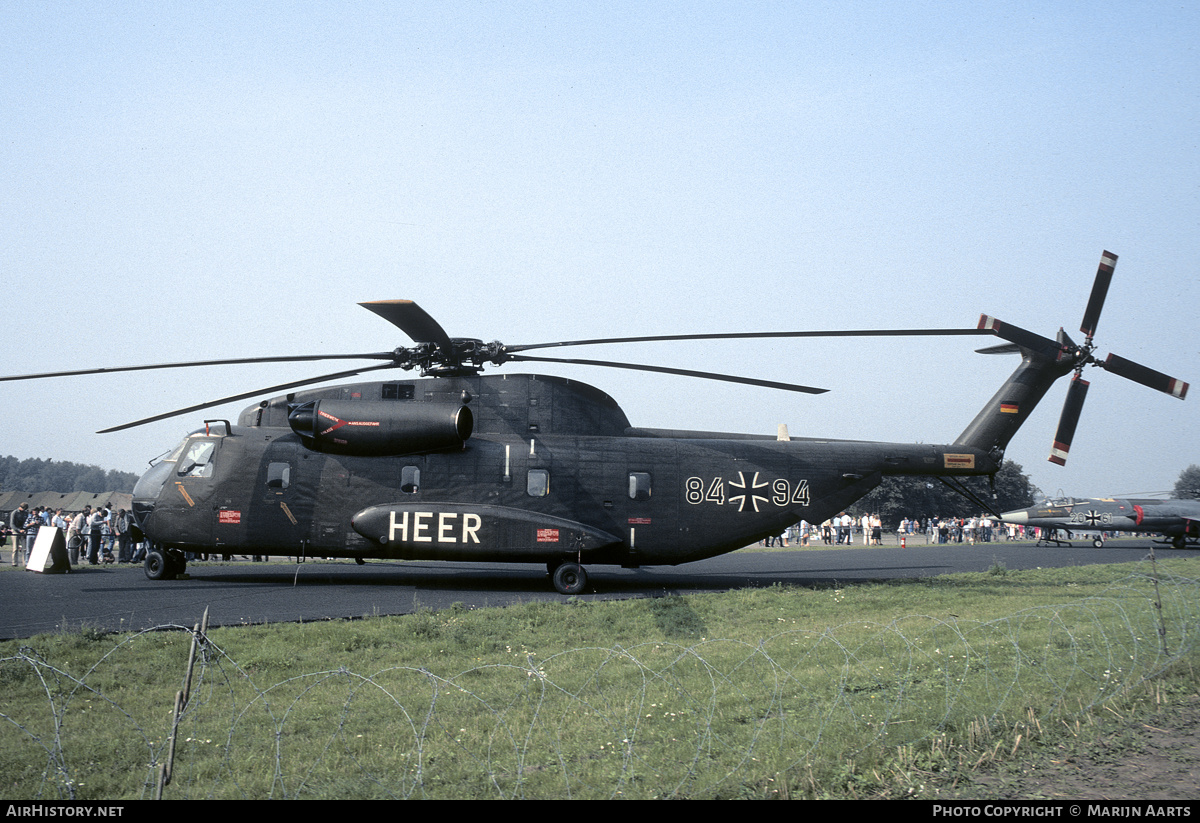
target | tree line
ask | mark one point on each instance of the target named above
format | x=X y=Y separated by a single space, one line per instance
x=924 y=497
x=34 y=475
x=921 y=497
x=1188 y=484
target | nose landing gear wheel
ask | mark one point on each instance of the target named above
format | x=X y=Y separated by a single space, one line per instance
x=156 y=565
x=570 y=578
x=164 y=564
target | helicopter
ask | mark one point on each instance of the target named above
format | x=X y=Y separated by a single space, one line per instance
x=1178 y=521
x=462 y=466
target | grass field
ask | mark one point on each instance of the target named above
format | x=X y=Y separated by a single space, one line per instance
x=901 y=689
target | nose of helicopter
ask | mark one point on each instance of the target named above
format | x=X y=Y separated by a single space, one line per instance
x=146 y=491
x=142 y=509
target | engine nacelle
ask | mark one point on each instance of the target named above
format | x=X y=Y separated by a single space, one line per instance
x=381 y=428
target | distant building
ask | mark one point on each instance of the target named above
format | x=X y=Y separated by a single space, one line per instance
x=67 y=501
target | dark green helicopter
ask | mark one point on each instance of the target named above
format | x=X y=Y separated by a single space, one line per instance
x=458 y=465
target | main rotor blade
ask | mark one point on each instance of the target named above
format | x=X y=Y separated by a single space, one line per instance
x=1146 y=376
x=233 y=362
x=412 y=320
x=763 y=335
x=1091 y=315
x=749 y=381
x=1067 y=422
x=245 y=395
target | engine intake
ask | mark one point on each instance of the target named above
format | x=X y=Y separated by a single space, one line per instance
x=381 y=429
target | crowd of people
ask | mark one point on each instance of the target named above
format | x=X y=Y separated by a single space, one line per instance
x=106 y=536
x=96 y=536
x=845 y=530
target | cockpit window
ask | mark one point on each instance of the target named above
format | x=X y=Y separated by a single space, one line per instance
x=197 y=461
x=176 y=452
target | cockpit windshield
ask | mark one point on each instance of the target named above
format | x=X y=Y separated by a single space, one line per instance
x=175 y=452
x=197 y=458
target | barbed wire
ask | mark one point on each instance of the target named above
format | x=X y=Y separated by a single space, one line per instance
x=654 y=719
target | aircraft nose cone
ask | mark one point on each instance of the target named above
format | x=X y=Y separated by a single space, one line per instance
x=1020 y=518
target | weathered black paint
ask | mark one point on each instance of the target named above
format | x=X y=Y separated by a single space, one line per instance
x=692 y=494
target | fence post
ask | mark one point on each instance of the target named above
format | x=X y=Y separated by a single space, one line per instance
x=181 y=698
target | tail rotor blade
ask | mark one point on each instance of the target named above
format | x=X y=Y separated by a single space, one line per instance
x=1025 y=339
x=1091 y=315
x=1072 y=408
x=1146 y=376
x=1003 y=348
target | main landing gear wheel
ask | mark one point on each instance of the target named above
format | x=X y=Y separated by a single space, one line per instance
x=570 y=578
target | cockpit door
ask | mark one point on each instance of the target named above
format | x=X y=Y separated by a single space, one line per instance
x=184 y=514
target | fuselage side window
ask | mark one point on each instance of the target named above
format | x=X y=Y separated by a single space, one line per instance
x=537 y=484
x=410 y=479
x=279 y=476
x=639 y=485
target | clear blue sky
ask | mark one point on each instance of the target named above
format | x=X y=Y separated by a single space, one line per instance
x=195 y=181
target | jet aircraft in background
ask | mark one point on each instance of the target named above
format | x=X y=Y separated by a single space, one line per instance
x=1177 y=520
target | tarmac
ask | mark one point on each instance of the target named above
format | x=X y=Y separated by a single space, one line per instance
x=120 y=597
